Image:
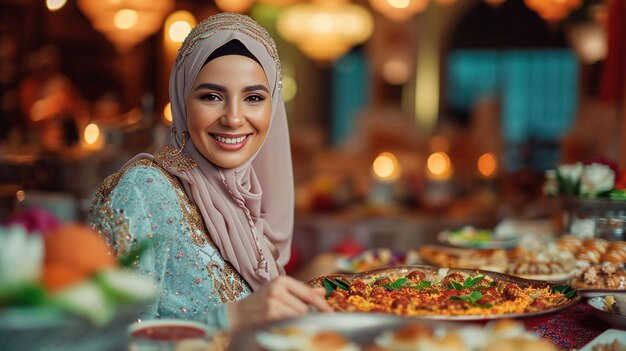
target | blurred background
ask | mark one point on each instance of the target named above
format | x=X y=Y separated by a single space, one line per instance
x=407 y=117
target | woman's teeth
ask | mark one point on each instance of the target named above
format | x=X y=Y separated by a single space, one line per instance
x=230 y=140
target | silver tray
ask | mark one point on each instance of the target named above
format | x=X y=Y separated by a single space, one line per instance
x=360 y=328
x=394 y=272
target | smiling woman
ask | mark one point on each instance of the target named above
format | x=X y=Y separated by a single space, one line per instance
x=230 y=107
x=214 y=216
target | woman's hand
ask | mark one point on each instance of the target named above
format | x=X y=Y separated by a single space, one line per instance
x=281 y=298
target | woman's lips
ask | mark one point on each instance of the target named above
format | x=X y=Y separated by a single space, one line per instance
x=230 y=142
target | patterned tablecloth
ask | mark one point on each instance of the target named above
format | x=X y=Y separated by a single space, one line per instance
x=571 y=328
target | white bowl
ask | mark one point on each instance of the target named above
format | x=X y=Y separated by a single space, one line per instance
x=599 y=308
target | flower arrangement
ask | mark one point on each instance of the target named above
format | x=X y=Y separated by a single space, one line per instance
x=68 y=269
x=592 y=180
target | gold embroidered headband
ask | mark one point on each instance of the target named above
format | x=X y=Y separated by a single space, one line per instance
x=229 y=21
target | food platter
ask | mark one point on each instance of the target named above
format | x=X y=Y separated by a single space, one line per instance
x=361 y=328
x=375 y=331
x=476 y=314
x=517 y=262
x=470 y=237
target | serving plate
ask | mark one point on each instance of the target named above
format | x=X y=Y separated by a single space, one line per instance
x=398 y=272
x=490 y=241
x=360 y=328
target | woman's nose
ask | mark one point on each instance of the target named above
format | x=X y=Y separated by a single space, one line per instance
x=232 y=116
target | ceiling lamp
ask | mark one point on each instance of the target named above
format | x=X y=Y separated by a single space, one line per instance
x=239 y=6
x=126 y=22
x=553 y=10
x=399 y=10
x=325 y=29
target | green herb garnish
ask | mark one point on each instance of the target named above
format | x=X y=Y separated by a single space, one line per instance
x=471 y=299
x=566 y=290
x=333 y=284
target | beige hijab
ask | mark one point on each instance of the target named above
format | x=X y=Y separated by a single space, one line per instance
x=248 y=210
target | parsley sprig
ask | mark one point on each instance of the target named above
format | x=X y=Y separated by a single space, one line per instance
x=566 y=290
x=472 y=299
x=333 y=284
x=469 y=283
x=401 y=283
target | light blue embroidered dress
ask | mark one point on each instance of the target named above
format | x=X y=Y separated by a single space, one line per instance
x=144 y=203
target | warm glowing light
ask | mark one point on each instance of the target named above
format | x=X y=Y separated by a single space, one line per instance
x=126 y=19
x=167 y=113
x=126 y=22
x=399 y=10
x=553 y=10
x=487 y=164
x=234 y=5
x=92 y=133
x=178 y=31
x=385 y=167
x=399 y=4
x=20 y=195
x=439 y=166
x=325 y=30
x=55 y=5
x=396 y=71
x=290 y=88
x=446 y=2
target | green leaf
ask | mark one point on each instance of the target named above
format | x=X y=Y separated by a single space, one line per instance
x=341 y=284
x=422 y=285
x=397 y=284
x=456 y=286
x=471 y=299
x=469 y=282
x=330 y=286
x=566 y=290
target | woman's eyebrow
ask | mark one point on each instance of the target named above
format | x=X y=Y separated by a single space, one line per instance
x=256 y=87
x=210 y=86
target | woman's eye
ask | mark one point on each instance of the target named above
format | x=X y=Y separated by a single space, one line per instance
x=255 y=98
x=210 y=97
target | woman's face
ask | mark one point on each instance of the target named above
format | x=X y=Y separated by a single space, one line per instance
x=229 y=110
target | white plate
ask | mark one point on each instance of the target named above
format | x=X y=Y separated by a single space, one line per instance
x=495 y=243
x=606 y=338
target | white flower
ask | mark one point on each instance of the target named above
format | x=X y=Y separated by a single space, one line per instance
x=571 y=172
x=596 y=178
x=21 y=257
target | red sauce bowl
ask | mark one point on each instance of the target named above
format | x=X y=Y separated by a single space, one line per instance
x=169 y=330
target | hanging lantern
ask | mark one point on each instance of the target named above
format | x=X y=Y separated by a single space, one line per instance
x=553 y=10
x=239 y=6
x=399 y=10
x=325 y=29
x=126 y=22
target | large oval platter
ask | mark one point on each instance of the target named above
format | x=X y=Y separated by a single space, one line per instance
x=437 y=274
